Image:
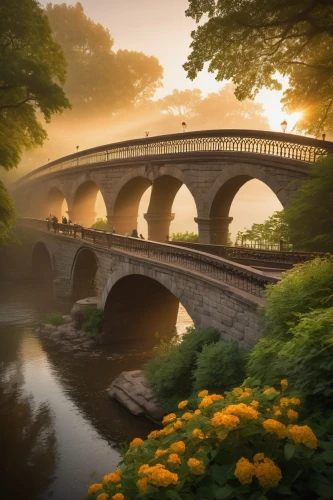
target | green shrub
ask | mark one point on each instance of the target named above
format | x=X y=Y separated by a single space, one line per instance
x=170 y=373
x=220 y=367
x=93 y=320
x=54 y=319
x=101 y=224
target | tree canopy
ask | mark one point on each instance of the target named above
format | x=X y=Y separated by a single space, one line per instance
x=32 y=72
x=273 y=230
x=248 y=42
x=310 y=214
x=98 y=78
x=7 y=217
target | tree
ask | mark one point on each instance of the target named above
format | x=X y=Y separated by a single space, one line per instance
x=7 y=217
x=310 y=214
x=248 y=42
x=101 y=224
x=188 y=237
x=30 y=64
x=100 y=80
x=273 y=230
x=181 y=103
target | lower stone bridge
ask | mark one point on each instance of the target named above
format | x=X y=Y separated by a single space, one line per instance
x=141 y=283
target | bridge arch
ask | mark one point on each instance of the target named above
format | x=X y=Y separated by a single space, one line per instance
x=82 y=209
x=54 y=203
x=83 y=273
x=138 y=303
x=214 y=226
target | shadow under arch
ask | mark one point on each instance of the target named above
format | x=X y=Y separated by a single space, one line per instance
x=83 y=273
x=54 y=201
x=136 y=308
x=83 y=210
x=42 y=272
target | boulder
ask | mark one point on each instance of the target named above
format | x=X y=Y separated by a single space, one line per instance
x=89 y=344
x=67 y=318
x=63 y=328
x=48 y=329
x=56 y=336
x=78 y=308
x=133 y=391
x=71 y=334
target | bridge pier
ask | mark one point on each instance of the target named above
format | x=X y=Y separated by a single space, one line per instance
x=123 y=223
x=158 y=225
x=213 y=230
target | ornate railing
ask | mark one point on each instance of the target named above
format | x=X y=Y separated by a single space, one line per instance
x=219 y=269
x=252 y=254
x=276 y=144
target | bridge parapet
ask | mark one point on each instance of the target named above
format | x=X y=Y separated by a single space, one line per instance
x=289 y=146
x=207 y=265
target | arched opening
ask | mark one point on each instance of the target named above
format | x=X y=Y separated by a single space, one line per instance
x=42 y=272
x=56 y=204
x=84 y=272
x=221 y=215
x=185 y=211
x=88 y=204
x=137 y=308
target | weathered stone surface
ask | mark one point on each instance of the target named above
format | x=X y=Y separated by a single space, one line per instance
x=48 y=328
x=133 y=391
x=78 y=308
x=56 y=336
x=63 y=328
x=71 y=335
x=67 y=318
x=89 y=344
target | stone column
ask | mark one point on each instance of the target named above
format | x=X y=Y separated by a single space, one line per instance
x=158 y=225
x=85 y=219
x=213 y=230
x=122 y=223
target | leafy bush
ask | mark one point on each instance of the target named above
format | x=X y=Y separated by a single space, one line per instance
x=170 y=373
x=240 y=445
x=93 y=320
x=220 y=366
x=54 y=319
x=101 y=224
x=190 y=237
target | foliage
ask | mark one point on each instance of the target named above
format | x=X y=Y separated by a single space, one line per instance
x=99 y=79
x=273 y=230
x=101 y=224
x=240 y=445
x=30 y=63
x=181 y=103
x=249 y=42
x=54 y=319
x=7 y=217
x=219 y=366
x=93 y=320
x=189 y=237
x=170 y=372
x=310 y=215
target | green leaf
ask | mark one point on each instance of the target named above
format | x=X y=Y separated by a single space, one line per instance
x=289 y=450
x=173 y=495
x=221 y=493
x=327 y=455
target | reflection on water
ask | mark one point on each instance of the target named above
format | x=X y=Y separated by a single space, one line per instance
x=57 y=424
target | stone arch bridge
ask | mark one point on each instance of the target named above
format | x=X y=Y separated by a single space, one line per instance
x=213 y=165
x=141 y=283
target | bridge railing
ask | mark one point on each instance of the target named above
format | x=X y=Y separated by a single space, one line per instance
x=221 y=270
x=276 y=144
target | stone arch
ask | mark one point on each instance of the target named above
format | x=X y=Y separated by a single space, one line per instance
x=139 y=301
x=54 y=201
x=83 y=274
x=83 y=201
x=41 y=261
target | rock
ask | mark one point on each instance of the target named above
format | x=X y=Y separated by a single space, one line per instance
x=89 y=344
x=132 y=390
x=56 y=336
x=63 y=329
x=78 y=308
x=83 y=335
x=71 y=334
x=67 y=318
x=48 y=329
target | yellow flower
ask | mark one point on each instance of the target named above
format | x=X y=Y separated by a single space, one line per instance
x=284 y=402
x=271 y=390
x=277 y=413
x=103 y=496
x=243 y=411
x=302 y=434
x=202 y=394
x=274 y=427
x=178 y=447
x=196 y=466
x=169 y=418
x=244 y=471
x=228 y=421
x=206 y=401
x=268 y=474
x=94 y=488
x=247 y=392
x=237 y=391
x=143 y=469
x=159 y=476
x=154 y=435
x=182 y=404
x=187 y=416
x=197 y=433
x=117 y=496
x=177 y=425
x=292 y=415
x=258 y=457
x=197 y=412
x=268 y=410
x=254 y=404
x=114 y=477
x=119 y=485
x=295 y=401
x=136 y=442
x=221 y=435
x=216 y=397
x=142 y=484
x=284 y=383
x=174 y=459
x=159 y=453
x=168 y=430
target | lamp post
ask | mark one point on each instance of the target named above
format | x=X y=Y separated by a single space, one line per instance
x=77 y=159
x=184 y=126
x=323 y=136
x=284 y=125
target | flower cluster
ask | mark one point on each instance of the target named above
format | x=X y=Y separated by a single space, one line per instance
x=267 y=472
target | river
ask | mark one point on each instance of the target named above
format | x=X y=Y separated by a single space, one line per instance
x=58 y=426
